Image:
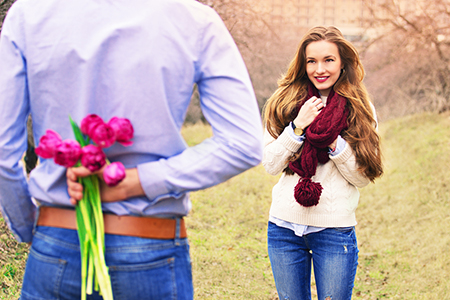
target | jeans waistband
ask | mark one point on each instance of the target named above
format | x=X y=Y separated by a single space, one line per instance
x=145 y=227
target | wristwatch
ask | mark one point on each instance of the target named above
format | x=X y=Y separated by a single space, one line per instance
x=297 y=130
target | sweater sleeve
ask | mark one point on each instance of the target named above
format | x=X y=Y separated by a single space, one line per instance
x=278 y=151
x=346 y=163
x=348 y=167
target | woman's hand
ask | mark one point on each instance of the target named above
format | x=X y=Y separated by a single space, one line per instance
x=308 y=112
x=129 y=187
x=332 y=146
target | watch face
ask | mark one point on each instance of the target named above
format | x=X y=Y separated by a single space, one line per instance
x=298 y=131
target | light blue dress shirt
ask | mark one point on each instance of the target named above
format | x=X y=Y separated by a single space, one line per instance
x=134 y=59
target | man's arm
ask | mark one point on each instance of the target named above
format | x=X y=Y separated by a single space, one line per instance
x=229 y=104
x=15 y=201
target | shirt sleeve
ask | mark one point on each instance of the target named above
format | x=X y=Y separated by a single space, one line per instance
x=340 y=145
x=290 y=129
x=229 y=104
x=15 y=201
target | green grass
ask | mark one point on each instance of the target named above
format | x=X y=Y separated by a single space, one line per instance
x=404 y=219
x=227 y=232
x=227 y=229
x=403 y=224
x=12 y=263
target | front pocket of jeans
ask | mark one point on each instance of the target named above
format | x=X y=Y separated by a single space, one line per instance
x=153 y=280
x=43 y=276
x=346 y=235
x=343 y=229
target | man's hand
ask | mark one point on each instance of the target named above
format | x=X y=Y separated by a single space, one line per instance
x=129 y=187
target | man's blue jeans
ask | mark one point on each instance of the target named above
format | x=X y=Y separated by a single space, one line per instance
x=140 y=268
x=333 y=252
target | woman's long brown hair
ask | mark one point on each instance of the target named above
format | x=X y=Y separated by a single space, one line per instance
x=361 y=134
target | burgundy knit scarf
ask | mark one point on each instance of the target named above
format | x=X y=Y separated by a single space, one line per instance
x=319 y=135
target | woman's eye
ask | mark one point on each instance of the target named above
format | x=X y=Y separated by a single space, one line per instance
x=310 y=61
x=330 y=60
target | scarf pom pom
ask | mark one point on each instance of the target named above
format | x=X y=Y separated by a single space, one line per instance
x=307 y=193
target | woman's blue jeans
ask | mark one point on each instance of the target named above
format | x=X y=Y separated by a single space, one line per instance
x=140 y=268
x=333 y=253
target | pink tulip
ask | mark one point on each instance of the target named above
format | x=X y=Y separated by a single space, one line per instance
x=123 y=129
x=89 y=122
x=93 y=157
x=67 y=153
x=103 y=135
x=114 y=173
x=48 y=144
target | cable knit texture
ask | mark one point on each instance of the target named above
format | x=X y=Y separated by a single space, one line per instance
x=322 y=132
x=339 y=178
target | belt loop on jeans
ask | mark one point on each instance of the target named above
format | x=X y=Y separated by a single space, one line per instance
x=144 y=227
x=177 y=232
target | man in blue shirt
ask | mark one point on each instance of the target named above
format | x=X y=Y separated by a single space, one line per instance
x=133 y=59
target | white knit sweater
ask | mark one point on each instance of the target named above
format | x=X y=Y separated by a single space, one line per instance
x=339 y=178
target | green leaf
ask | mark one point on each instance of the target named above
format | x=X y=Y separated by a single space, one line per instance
x=79 y=136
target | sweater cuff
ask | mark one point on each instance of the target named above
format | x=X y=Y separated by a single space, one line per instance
x=288 y=141
x=343 y=156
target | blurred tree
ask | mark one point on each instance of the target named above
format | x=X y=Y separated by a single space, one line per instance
x=266 y=44
x=408 y=55
x=4 y=6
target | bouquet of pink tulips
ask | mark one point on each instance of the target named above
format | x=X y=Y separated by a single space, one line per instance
x=69 y=153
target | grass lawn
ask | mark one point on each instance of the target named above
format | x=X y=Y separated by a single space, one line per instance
x=402 y=230
x=12 y=263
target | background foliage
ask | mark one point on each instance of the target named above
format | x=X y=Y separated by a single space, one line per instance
x=405 y=51
x=407 y=59
x=4 y=6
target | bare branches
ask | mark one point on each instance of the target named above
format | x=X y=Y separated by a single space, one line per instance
x=412 y=49
x=4 y=7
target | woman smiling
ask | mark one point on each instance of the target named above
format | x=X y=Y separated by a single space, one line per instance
x=321 y=134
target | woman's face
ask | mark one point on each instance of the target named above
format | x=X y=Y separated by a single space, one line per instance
x=323 y=65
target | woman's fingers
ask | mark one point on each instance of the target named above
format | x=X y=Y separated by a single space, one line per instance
x=316 y=103
x=308 y=112
x=319 y=104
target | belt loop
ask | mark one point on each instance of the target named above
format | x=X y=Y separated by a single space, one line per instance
x=38 y=212
x=177 y=232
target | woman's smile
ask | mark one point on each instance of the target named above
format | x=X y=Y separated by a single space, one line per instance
x=322 y=79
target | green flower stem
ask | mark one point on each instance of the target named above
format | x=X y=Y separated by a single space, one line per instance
x=92 y=218
x=91 y=232
x=83 y=250
x=90 y=275
x=86 y=233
